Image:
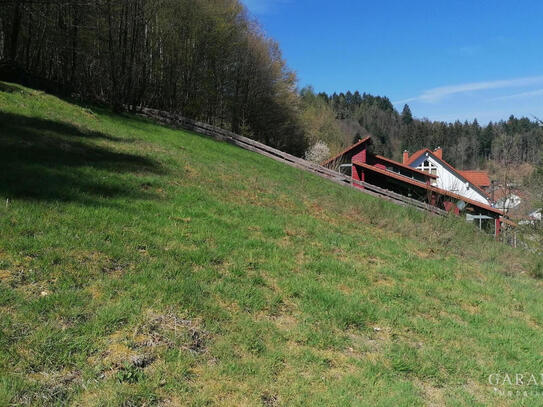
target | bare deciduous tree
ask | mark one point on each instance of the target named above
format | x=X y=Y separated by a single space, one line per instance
x=205 y=59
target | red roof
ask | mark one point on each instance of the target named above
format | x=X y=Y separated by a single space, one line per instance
x=364 y=140
x=330 y=160
x=380 y=157
x=429 y=187
x=427 y=150
x=417 y=155
x=478 y=178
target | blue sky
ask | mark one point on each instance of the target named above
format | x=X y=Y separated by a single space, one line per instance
x=447 y=59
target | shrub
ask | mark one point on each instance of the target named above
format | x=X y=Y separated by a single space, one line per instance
x=318 y=152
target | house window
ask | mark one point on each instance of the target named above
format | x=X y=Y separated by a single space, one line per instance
x=428 y=167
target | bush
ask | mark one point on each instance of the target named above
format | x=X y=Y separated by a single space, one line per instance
x=318 y=152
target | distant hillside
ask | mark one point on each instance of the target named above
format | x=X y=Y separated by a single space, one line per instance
x=141 y=265
x=467 y=145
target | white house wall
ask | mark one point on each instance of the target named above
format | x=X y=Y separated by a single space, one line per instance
x=449 y=181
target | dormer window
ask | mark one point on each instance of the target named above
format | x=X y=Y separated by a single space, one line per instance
x=428 y=167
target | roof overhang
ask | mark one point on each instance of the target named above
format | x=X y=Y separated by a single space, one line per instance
x=429 y=187
x=365 y=140
x=380 y=157
x=428 y=152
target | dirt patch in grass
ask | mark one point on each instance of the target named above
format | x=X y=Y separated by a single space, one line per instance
x=5 y=276
x=94 y=291
x=50 y=388
x=269 y=399
x=128 y=354
x=117 y=354
x=319 y=212
x=433 y=396
x=383 y=282
x=470 y=308
x=367 y=259
x=482 y=393
x=172 y=331
x=283 y=201
x=114 y=267
x=18 y=271
x=368 y=346
x=94 y=261
x=425 y=253
x=285 y=322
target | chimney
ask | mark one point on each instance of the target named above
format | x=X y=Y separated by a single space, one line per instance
x=439 y=153
x=405 y=157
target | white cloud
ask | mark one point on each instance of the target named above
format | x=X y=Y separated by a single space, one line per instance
x=436 y=94
x=520 y=95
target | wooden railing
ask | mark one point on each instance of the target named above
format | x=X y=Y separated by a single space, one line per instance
x=217 y=133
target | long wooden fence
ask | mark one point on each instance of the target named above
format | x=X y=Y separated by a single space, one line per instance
x=217 y=133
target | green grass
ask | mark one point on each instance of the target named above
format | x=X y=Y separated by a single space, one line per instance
x=141 y=265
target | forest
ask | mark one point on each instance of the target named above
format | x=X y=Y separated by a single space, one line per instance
x=467 y=145
x=211 y=61
x=205 y=59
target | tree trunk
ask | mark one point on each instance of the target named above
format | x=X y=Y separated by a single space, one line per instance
x=16 y=28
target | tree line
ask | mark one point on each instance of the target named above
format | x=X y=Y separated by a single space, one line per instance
x=206 y=59
x=467 y=145
x=210 y=61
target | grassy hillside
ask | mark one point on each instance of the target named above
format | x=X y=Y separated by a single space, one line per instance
x=146 y=266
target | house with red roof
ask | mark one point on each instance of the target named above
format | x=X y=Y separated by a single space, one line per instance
x=425 y=176
x=478 y=178
x=472 y=185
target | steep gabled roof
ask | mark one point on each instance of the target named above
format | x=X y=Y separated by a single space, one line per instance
x=391 y=174
x=416 y=155
x=479 y=178
x=380 y=157
x=429 y=187
x=346 y=151
x=419 y=153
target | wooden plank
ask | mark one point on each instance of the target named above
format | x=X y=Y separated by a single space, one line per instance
x=271 y=152
x=347 y=180
x=294 y=161
x=250 y=142
x=278 y=155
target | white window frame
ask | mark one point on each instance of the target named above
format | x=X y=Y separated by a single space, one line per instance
x=428 y=166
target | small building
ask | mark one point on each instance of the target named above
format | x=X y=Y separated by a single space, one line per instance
x=478 y=178
x=507 y=198
x=469 y=184
x=536 y=215
x=534 y=218
x=418 y=177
